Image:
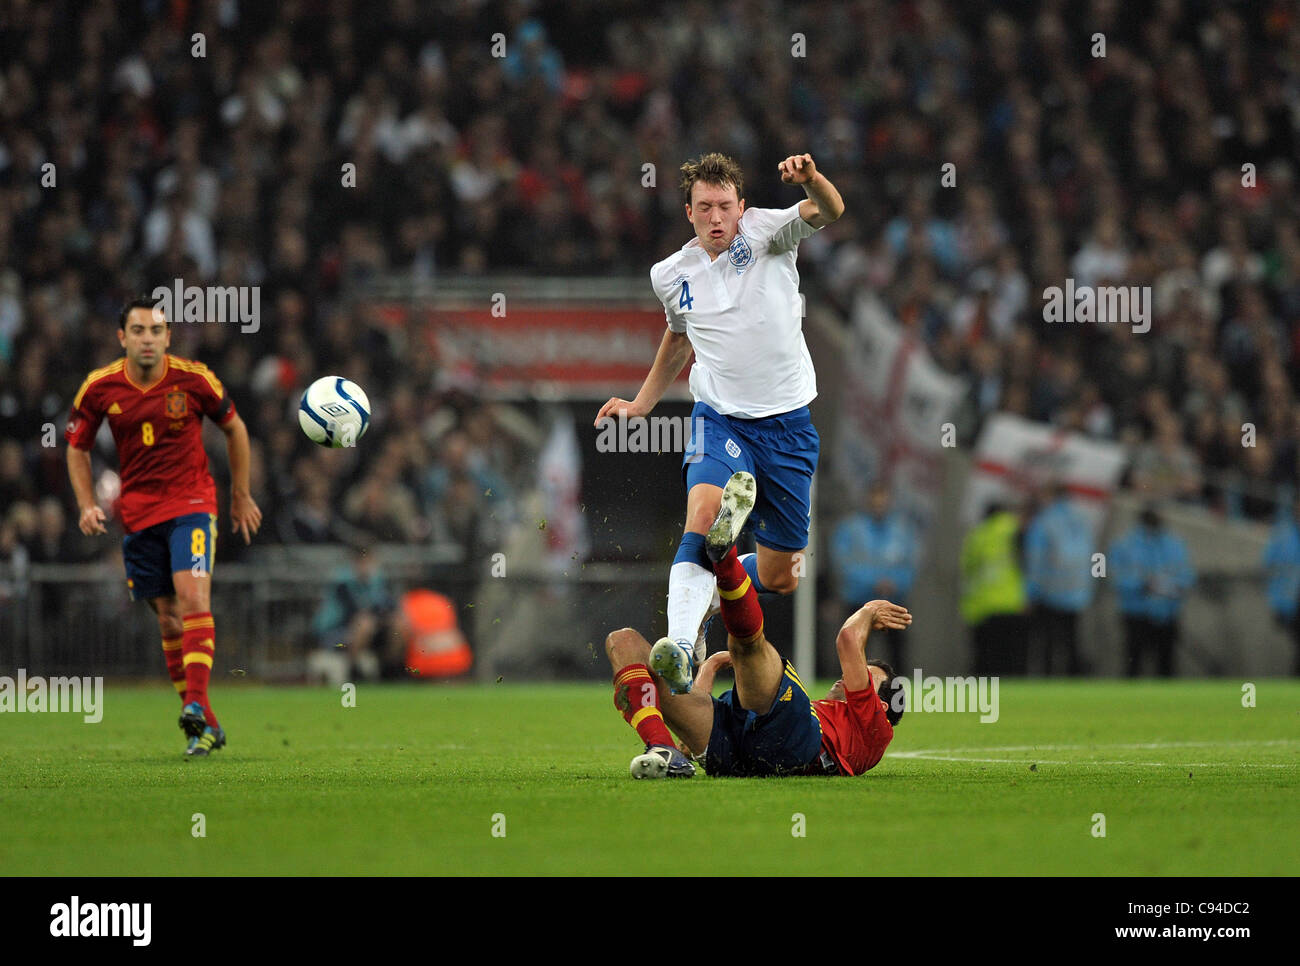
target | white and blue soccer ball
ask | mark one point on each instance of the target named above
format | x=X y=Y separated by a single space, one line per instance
x=334 y=412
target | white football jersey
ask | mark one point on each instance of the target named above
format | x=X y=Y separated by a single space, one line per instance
x=743 y=315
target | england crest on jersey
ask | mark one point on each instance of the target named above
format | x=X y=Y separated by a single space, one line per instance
x=741 y=255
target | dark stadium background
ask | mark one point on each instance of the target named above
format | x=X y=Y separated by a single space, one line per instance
x=523 y=175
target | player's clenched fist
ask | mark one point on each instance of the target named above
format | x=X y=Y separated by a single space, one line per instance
x=92 y=521
x=797 y=169
x=620 y=407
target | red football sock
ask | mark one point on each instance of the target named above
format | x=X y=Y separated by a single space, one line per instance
x=175 y=668
x=196 y=654
x=740 y=608
x=637 y=697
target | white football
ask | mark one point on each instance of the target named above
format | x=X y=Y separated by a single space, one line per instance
x=334 y=412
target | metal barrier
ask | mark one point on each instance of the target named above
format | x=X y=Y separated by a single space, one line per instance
x=78 y=619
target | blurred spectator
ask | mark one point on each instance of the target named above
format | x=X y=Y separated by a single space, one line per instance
x=1165 y=468
x=382 y=506
x=357 y=620
x=24 y=519
x=993 y=598
x=1058 y=579
x=310 y=518
x=1153 y=575
x=918 y=232
x=15 y=483
x=874 y=553
x=1282 y=565
x=14 y=561
x=531 y=60
x=53 y=541
x=176 y=225
x=1103 y=260
x=458 y=518
x=459 y=457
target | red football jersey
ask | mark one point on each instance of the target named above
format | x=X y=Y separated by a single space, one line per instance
x=158 y=430
x=855 y=732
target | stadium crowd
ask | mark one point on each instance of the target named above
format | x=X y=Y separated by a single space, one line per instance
x=225 y=166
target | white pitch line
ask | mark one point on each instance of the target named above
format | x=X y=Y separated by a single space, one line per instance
x=963 y=754
x=1046 y=761
x=1107 y=744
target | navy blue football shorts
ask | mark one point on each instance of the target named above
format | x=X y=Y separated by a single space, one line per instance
x=784 y=740
x=153 y=554
x=780 y=451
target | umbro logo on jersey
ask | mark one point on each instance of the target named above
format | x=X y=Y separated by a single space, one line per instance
x=683 y=277
x=115 y=410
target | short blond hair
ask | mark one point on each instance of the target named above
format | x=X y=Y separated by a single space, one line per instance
x=715 y=169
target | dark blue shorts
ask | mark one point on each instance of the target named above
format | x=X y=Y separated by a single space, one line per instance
x=152 y=555
x=783 y=741
x=781 y=452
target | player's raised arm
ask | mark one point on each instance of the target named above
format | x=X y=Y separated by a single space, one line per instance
x=824 y=204
x=674 y=352
x=245 y=517
x=851 y=643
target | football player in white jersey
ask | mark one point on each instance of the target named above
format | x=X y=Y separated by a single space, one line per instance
x=731 y=296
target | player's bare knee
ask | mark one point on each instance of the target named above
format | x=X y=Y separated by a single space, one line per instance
x=781 y=582
x=702 y=512
x=170 y=625
x=702 y=518
x=612 y=640
x=191 y=603
x=622 y=646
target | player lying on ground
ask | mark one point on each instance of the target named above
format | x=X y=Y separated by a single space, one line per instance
x=766 y=724
x=155 y=404
x=731 y=297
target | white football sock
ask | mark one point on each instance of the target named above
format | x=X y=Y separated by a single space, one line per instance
x=701 y=645
x=690 y=591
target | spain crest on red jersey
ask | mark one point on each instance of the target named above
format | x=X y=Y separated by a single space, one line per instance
x=176 y=405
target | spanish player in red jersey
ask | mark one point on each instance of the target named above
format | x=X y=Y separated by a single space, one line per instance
x=155 y=403
x=766 y=724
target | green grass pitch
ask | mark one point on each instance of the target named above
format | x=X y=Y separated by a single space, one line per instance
x=414 y=779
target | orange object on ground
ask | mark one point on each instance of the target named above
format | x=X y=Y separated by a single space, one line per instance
x=436 y=647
